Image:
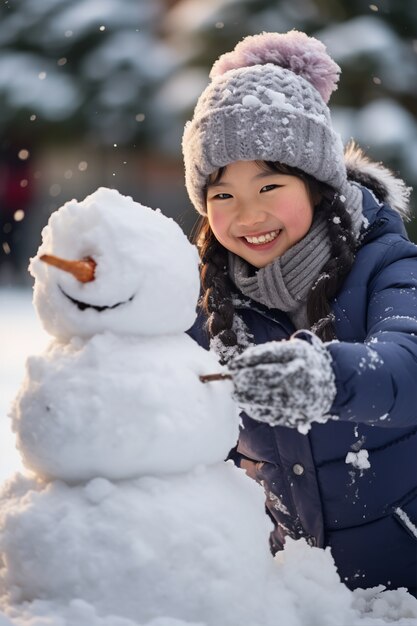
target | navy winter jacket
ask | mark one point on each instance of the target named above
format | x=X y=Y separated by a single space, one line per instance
x=367 y=516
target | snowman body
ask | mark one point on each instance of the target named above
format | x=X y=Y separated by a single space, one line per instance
x=131 y=507
x=189 y=546
x=119 y=406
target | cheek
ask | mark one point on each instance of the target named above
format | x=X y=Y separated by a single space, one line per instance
x=218 y=221
x=298 y=218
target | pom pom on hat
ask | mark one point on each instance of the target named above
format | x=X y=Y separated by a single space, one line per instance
x=295 y=51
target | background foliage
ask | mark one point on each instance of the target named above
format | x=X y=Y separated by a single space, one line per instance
x=117 y=79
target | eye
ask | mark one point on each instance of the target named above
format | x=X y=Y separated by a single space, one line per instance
x=221 y=196
x=269 y=188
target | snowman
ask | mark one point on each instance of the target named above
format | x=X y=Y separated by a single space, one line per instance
x=128 y=504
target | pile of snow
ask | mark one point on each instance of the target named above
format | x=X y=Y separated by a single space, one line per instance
x=306 y=591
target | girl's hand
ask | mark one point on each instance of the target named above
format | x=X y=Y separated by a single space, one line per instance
x=287 y=383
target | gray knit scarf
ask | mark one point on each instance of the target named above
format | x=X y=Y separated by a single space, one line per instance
x=285 y=282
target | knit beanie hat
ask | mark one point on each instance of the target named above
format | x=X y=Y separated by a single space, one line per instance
x=267 y=100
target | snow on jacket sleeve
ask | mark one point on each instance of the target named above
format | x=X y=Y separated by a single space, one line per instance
x=376 y=379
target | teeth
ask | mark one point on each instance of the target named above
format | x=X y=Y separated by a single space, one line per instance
x=263 y=238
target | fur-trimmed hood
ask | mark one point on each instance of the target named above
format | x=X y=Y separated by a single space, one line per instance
x=378 y=179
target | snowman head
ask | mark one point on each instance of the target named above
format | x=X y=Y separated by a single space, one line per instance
x=131 y=270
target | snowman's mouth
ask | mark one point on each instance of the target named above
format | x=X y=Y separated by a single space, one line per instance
x=84 y=305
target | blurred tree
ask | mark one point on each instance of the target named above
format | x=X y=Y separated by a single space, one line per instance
x=87 y=67
x=76 y=76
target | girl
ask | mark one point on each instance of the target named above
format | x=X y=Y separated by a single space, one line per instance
x=309 y=296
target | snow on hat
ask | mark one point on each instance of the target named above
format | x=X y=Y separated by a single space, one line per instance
x=267 y=101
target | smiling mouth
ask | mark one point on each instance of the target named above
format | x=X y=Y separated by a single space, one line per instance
x=262 y=239
x=84 y=305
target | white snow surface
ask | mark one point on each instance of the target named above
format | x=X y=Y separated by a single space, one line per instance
x=122 y=406
x=359 y=460
x=129 y=516
x=185 y=546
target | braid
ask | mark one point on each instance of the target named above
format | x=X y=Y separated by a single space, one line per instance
x=217 y=294
x=343 y=248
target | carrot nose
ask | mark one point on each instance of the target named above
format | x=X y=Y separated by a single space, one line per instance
x=83 y=270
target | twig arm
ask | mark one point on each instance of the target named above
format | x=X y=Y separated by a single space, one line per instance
x=207 y=378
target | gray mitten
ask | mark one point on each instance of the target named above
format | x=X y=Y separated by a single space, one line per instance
x=286 y=383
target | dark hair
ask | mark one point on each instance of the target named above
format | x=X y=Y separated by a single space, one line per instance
x=217 y=298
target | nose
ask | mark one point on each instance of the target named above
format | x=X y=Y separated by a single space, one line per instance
x=83 y=269
x=249 y=215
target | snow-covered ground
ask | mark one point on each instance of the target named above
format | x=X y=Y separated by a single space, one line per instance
x=21 y=334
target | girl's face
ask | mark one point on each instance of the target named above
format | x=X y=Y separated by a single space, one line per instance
x=258 y=214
